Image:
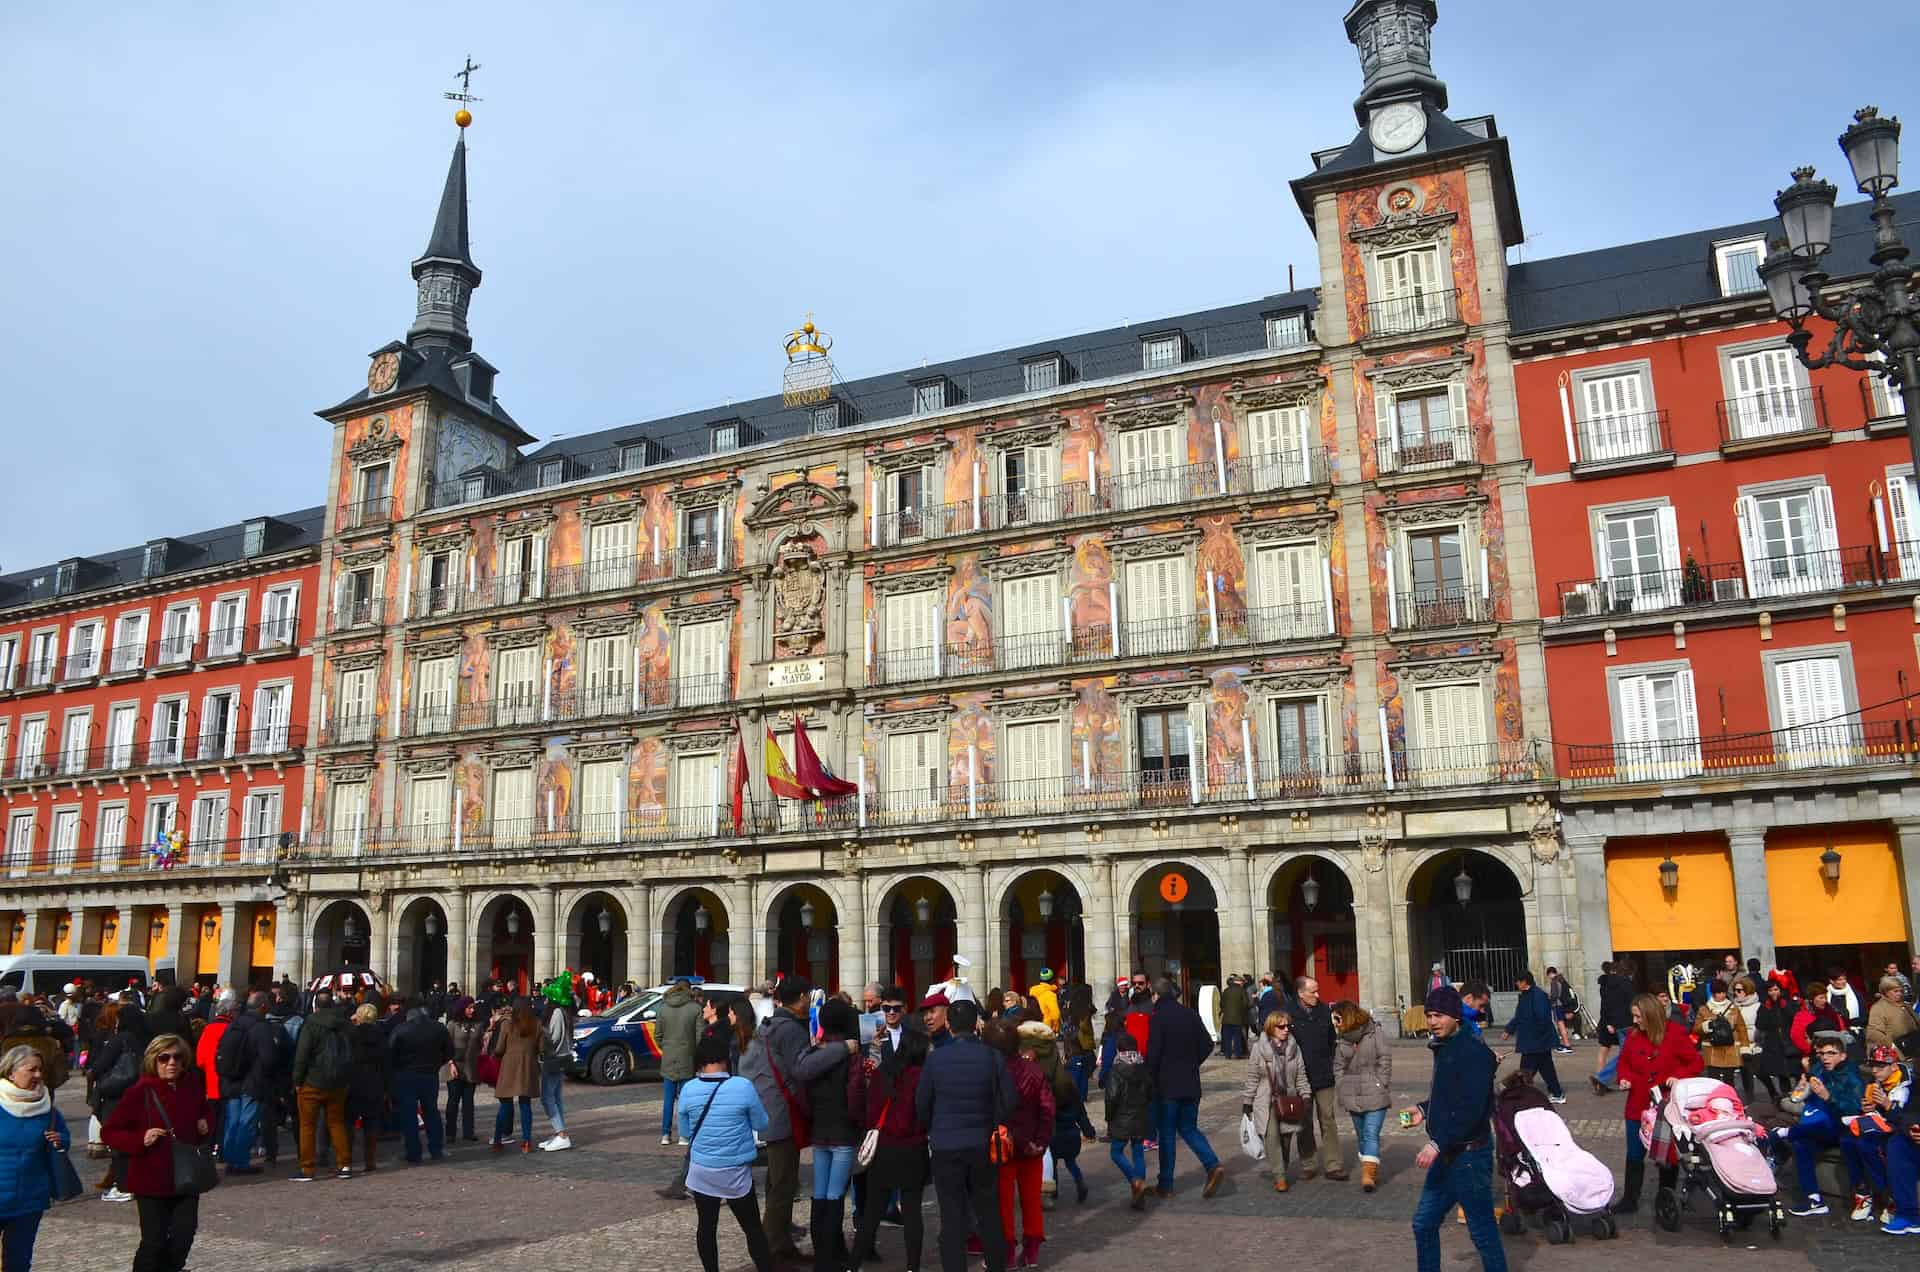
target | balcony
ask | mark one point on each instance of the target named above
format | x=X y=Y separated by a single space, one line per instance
x=366 y=514
x=1405 y=315
x=1856 y=743
x=1613 y=442
x=1720 y=584
x=1037 y=505
x=252 y=850
x=1429 y=609
x=225 y=643
x=1158 y=487
x=41 y=671
x=1772 y=419
x=127 y=660
x=355 y=612
x=130 y=756
x=588 y=578
x=1436 y=448
x=83 y=666
x=618 y=698
x=350 y=728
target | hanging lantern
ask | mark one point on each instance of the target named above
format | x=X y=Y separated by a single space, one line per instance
x=432 y=925
x=1669 y=874
x=1310 y=891
x=923 y=910
x=1463 y=885
x=605 y=922
x=265 y=925
x=701 y=919
x=1830 y=865
x=513 y=922
x=351 y=929
x=806 y=915
x=1045 y=901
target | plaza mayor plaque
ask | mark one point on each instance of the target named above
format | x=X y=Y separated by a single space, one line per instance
x=795 y=672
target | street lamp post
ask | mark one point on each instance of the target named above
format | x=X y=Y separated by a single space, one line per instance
x=1879 y=317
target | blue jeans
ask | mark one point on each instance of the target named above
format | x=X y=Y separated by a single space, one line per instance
x=1609 y=1072
x=16 y=1240
x=1808 y=1139
x=1081 y=1066
x=1182 y=1118
x=416 y=1098
x=1467 y=1182
x=1366 y=1129
x=503 y=1120
x=832 y=1169
x=1903 y=1177
x=237 y=1136
x=1866 y=1155
x=1139 y=1151
x=669 y=1092
x=551 y=1095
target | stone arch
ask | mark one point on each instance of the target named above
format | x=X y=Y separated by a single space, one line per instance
x=699 y=932
x=1039 y=920
x=919 y=921
x=505 y=940
x=1181 y=939
x=420 y=935
x=595 y=934
x=342 y=936
x=1483 y=939
x=804 y=920
x=1311 y=901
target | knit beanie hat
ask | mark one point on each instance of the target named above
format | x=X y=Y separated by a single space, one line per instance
x=1445 y=1000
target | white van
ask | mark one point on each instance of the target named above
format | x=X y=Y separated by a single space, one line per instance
x=44 y=973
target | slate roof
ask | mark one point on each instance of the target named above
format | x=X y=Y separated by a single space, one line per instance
x=448 y=241
x=1670 y=273
x=286 y=532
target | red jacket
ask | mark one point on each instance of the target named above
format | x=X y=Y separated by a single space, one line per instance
x=207 y=1048
x=1031 y=1126
x=1644 y=1066
x=870 y=1094
x=1807 y=1022
x=150 y=1169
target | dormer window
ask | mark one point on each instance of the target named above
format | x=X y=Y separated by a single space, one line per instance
x=929 y=396
x=634 y=455
x=726 y=436
x=1041 y=374
x=66 y=576
x=153 y=561
x=826 y=417
x=253 y=537
x=472 y=488
x=552 y=472
x=1287 y=331
x=1738 y=265
x=1160 y=352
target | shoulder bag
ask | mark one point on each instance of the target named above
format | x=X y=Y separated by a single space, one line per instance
x=701 y=1121
x=1000 y=1143
x=64 y=1178
x=799 y=1117
x=870 y=1142
x=193 y=1169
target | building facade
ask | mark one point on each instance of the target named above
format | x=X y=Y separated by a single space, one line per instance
x=153 y=710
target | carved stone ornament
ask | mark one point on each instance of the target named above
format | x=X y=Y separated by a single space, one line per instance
x=617 y=625
x=610 y=511
x=517 y=637
x=348 y=774
x=427 y=766
x=377 y=443
x=1038 y=430
x=1286 y=529
x=531 y=521
x=1299 y=679
x=1373 y=850
x=1403 y=229
x=800 y=501
x=357 y=662
x=515 y=759
x=449 y=539
x=443 y=647
x=1164 y=694
x=1432 y=373
x=1543 y=836
x=360 y=558
x=706 y=612
x=922 y=455
x=1046 y=706
x=706 y=495
x=697 y=740
x=587 y=752
x=1123 y=419
x=910 y=721
x=934 y=579
x=799 y=596
x=1433 y=512
x=1267 y=397
x=1141 y=547
x=1017 y=565
x=1417 y=671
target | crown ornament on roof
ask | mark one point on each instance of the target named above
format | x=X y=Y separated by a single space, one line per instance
x=809 y=374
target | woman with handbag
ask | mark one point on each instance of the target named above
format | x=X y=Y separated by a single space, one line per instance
x=719 y=1118
x=1276 y=1094
x=161 y=1126
x=515 y=1044
x=33 y=1155
x=1031 y=1130
x=894 y=1149
x=465 y=1029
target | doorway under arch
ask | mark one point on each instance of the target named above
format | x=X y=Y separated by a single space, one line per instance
x=922 y=934
x=803 y=936
x=1041 y=915
x=697 y=936
x=505 y=943
x=1467 y=912
x=1311 y=929
x=342 y=937
x=420 y=957
x=597 y=938
x=1176 y=927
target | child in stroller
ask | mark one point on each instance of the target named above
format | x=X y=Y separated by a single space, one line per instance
x=1701 y=1126
x=1546 y=1172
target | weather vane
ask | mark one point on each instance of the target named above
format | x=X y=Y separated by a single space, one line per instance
x=463 y=116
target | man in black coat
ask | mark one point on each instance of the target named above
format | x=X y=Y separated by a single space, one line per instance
x=1313 y=1031
x=246 y=1059
x=419 y=1045
x=964 y=1092
x=1177 y=1044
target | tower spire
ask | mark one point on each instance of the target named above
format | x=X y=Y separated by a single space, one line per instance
x=1395 y=40
x=445 y=272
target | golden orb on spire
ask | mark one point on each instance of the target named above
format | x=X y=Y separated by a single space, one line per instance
x=463 y=117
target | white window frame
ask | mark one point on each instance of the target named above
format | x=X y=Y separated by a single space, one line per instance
x=108 y=846
x=277 y=629
x=696 y=685
x=1831 y=733
x=1163 y=351
x=1267 y=738
x=9 y=660
x=1040 y=375
x=160 y=748
x=1457 y=755
x=1604 y=429
x=611 y=561
x=1885 y=399
x=1641 y=753
x=349 y=821
x=518 y=699
x=1276 y=613
x=1031 y=634
x=122 y=745
x=1723 y=253
x=210 y=812
x=1048 y=779
x=176 y=647
x=1640 y=592
x=1409 y=304
x=6 y=736
x=606 y=670
x=1280 y=445
x=1159 y=613
x=258 y=841
x=1278 y=325
x=351 y=724
x=435 y=686
x=1902 y=526
x=1815 y=566
x=20 y=829
x=600 y=825
x=1392 y=450
x=900 y=656
x=921 y=787
x=43 y=658
x=1193 y=784
x=76 y=739
x=226 y=745
x=523 y=579
x=128 y=654
x=696 y=812
x=1474 y=585
x=270 y=734
x=1776 y=410
x=160 y=817
x=80 y=664
x=63 y=839
x=510 y=819
x=1151 y=467
x=33 y=752
x=430 y=806
x=227 y=642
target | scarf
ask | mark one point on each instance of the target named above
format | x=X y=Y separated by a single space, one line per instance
x=22 y=1103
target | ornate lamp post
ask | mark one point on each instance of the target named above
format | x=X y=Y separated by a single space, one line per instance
x=1878 y=318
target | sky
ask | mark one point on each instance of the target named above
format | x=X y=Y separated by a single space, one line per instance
x=210 y=209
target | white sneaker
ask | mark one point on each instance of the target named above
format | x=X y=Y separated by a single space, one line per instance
x=666 y=1140
x=1556 y=1099
x=1863 y=1208
x=114 y=1194
x=556 y=1144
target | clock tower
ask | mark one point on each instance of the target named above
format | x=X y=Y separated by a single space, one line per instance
x=1395 y=41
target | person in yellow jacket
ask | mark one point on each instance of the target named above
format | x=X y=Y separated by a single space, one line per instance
x=1046 y=996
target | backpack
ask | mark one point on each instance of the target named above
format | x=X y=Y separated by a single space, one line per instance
x=1719 y=1031
x=331 y=1065
x=230 y=1058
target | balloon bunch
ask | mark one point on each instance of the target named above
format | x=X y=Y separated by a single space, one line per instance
x=168 y=849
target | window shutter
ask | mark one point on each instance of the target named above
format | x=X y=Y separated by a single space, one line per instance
x=1821 y=497
x=1177 y=589
x=1197 y=749
x=1043 y=468
x=233 y=721
x=1826 y=697
x=1386 y=429
x=1020 y=766
x=1270 y=578
x=1636 y=710
x=1143 y=604
x=1301 y=465
x=1689 y=708
x=1460 y=429
x=1906 y=534
x=1746 y=511
x=1668 y=525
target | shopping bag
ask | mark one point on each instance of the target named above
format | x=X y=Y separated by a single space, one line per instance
x=1250 y=1141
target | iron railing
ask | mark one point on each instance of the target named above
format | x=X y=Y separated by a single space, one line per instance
x=361 y=612
x=1287 y=469
x=80 y=666
x=1157 y=487
x=1848 y=743
x=1428 y=608
x=245 y=850
x=126 y=659
x=1698 y=586
x=1423 y=311
x=1626 y=436
x=364 y=513
x=559 y=581
x=41 y=671
x=140 y=752
x=1276 y=624
x=1435 y=448
x=616 y=697
x=1771 y=413
x=350 y=728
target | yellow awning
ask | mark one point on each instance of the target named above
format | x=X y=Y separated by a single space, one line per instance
x=1699 y=914
x=1863 y=905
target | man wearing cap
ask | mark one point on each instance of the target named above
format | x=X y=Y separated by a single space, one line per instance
x=1046 y=996
x=1458 y=1156
x=933 y=1013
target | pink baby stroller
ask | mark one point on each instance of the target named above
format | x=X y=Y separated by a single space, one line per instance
x=1717 y=1147
x=1546 y=1172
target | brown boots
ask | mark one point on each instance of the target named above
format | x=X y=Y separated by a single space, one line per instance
x=1369 y=1176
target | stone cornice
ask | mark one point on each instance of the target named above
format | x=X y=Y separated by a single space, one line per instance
x=347 y=774
x=360 y=661
x=934 y=577
x=800 y=501
x=1429 y=373
x=910 y=721
x=1419 y=670
x=1122 y=419
x=696 y=740
x=531 y=521
x=708 y=494
x=609 y=511
x=1166 y=543
x=1403 y=230
x=1163 y=693
x=518 y=637
x=514 y=758
x=600 y=750
x=1433 y=511
x=1020 y=564
x=705 y=612
x=1037 y=430
x=919 y=455
x=440 y=647
x=1267 y=397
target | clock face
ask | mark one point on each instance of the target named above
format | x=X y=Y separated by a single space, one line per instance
x=1398 y=127
x=384 y=371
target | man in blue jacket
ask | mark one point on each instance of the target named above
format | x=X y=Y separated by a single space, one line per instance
x=1458 y=1157
x=964 y=1093
x=1533 y=1034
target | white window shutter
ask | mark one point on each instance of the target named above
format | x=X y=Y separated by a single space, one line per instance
x=1303 y=424
x=1457 y=421
x=1043 y=468
x=723 y=530
x=1668 y=525
x=1906 y=532
x=1689 y=707
x=539 y=565
x=1197 y=748
x=1269 y=578
x=1387 y=428
x=1636 y=710
x=1746 y=511
x=1829 y=539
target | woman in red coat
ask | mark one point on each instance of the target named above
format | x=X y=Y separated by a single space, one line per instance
x=137 y=1129
x=1652 y=1054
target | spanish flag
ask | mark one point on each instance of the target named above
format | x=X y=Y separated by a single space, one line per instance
x=780 y=778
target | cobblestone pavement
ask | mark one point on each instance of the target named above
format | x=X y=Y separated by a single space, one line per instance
x=595 y=1207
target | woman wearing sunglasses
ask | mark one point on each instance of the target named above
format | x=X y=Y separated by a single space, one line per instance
x=1277 y=1082
x=170 y=1099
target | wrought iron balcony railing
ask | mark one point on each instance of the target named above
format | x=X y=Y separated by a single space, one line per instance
x=617 y=696
x=1697 y=586
x=129 y=755
x=365 y=513
x=1771 y=413
x=1423 y=311
x=1635 y=435
x=1847 y=743
x=1428 y=608
x=1436 y=448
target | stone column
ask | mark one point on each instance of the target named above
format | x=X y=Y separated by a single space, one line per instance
x=638 y=901
x=1381 y=937
x=235 y=942
x=1751 y=902
x=550 y=943
x=292 y=943
x=183 y=943
x=1097 y=915
x=972 y=937
x=1594 y=920
x=849 y=903
x=750 y=964
x=40 y=929
x=455 y=905
x=1909 y=834
x=1236 y=922
x=379 y=924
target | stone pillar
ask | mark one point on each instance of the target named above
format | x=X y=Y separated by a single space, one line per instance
x=849 y=903
x=1236 y=923
x=1594 y=920
x=1751 y=901
x=292 y=943
x=750 y=964
x=1097 y=913
x=183 y=943
x=550 y=942
x=1381 y=937
x=1909 y=834
x=972 y=937
x=235 y=942
x=637 y=901
x=40 y=929
x=379 y=925
x=455 y=905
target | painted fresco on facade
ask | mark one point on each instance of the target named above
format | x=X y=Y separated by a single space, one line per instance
x=970 y=725
x=1437 y=193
